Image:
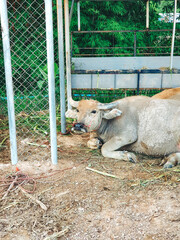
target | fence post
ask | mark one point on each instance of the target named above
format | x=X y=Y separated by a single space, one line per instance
x=147 y=14
x=138 y=81
x=135 y=43
x=79 y=17
x=51 y=82
x=71 y=11
x=61 y=64
x=9 y=82
x=71 y=45
x=173 y=33
x=68 y=61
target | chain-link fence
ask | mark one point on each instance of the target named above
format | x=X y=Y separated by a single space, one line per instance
x=29 y=69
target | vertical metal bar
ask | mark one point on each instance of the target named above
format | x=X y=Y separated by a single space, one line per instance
x=114 y=81
x=91 y=81
x=79 y=17
x=138 y=81
x=71 y=11
x=162 y=75
x=71 y=45
x=173 y=33
x=51 y=82
x=125 y=94
x=61 y=64
x=135 y=43
x=147 y=14
x=68 y=60
x=9 y=82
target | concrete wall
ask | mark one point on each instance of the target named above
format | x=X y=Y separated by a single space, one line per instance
x=125 y=80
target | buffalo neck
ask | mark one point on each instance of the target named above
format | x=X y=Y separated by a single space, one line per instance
x=104 y=127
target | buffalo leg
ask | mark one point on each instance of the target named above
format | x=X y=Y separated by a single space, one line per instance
x=110 y=147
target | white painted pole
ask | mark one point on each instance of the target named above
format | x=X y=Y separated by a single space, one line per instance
x=51 y=80
x=9 y=82
x=71 y=11
x=68 y=60
x=61 y=64
x=147 y=14
x=79 y=16
x=173 y=33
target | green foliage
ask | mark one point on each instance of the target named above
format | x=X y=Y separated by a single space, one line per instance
x=106 y=96
x=122 y=15
x=44 y=72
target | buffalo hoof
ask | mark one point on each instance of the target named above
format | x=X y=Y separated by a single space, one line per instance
x=172 y=160
x=168 y=165
x=131 y=160
x=132 y=157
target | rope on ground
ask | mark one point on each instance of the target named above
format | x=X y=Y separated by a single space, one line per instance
x=18 y=180
x=15 y=180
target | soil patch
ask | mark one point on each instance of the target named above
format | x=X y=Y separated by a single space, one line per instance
x=135 y=201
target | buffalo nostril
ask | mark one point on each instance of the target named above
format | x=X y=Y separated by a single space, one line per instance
x=79 y=125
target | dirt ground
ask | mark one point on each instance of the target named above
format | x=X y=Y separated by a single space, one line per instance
x=71 y=201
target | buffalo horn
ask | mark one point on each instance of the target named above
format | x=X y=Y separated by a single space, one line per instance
x=107 y=106
x=73 y=103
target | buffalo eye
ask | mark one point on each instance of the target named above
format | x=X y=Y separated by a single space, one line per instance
x=93 y=111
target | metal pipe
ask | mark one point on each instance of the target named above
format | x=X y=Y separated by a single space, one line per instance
x=9 y=82
x=125 y=31
x=173 y=34
x=71 y=47
x=125 y=71
x=71 y=11
x=135 y=44
x=51 y=82
x=67 y=41
x=138 y=81
x=79 y=16
x=162 y=77
x=147 y=14
x=61 y=64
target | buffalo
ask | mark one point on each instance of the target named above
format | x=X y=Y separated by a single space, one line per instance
x=133 y=124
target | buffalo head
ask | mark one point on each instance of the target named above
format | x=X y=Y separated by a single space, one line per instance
x=89 y=114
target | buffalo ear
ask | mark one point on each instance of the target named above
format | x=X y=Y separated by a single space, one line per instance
x=112 y=114
x=71 y=113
